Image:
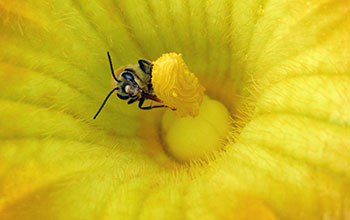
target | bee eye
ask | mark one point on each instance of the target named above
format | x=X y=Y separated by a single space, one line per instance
x=128 y=76
x=146 y=66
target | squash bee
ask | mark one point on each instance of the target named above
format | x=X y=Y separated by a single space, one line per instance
x=133 y=82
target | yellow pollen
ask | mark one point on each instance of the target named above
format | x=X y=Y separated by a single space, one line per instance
x=176 y=86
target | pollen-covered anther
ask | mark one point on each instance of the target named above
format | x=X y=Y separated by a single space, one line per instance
x=176 y=86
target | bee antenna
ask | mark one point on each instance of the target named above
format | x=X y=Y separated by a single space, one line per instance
x=104 y=102
x=111 y=65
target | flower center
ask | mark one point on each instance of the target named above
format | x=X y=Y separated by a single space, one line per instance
x=199 y=126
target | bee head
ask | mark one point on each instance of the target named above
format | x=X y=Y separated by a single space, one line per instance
x=127 y=86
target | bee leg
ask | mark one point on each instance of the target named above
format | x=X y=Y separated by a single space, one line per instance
x=148 y=107
x=132 y=101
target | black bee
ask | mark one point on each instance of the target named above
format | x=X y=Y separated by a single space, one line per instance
x=133 y=83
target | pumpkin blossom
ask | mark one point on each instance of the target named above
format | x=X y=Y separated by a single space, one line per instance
x=270 y=136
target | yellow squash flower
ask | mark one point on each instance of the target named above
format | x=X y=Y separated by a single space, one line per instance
x=280 y=68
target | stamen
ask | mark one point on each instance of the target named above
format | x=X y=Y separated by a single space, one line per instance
x=176 y=86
